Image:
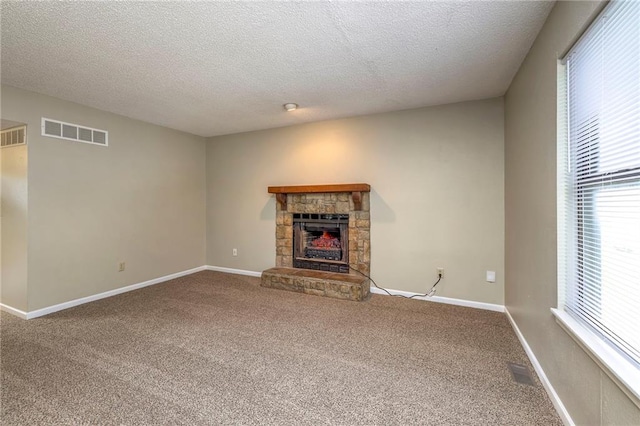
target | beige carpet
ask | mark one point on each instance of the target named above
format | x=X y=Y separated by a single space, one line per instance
x=214 y=348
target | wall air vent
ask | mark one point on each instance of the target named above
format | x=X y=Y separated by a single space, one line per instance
x=14 y=136
x=74 y=132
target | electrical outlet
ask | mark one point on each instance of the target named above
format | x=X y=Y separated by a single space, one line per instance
x=121 y=267
x=235 y=252
x=440 y=272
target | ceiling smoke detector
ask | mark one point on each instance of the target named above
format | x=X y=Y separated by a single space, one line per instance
x=290 y=106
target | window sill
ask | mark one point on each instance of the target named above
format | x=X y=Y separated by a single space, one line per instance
x=621 y=370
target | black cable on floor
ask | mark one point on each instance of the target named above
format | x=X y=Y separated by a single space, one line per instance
x=430 y=293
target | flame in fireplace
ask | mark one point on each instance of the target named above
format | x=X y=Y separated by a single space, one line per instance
x=326 y=240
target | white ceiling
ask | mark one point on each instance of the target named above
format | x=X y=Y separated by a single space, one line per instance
x=213 y=68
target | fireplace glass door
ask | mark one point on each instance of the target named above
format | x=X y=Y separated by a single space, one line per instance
x=320 y=242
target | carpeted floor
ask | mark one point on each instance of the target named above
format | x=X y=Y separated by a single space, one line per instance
x=214 y=348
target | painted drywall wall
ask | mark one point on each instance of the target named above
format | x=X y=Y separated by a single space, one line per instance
x=1 y=223
x=141 y=201
x=530 y=189
x=13 y=214
x=437 y=192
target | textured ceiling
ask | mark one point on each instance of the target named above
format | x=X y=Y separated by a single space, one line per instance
x=213 y=68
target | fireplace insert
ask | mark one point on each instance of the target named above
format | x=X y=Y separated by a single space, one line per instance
x=320 y=242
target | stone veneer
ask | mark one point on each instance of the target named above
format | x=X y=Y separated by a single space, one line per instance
x=340 y=202
x=318 y=283
x=351 y=286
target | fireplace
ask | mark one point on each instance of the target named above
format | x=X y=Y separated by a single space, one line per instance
x=321 y=242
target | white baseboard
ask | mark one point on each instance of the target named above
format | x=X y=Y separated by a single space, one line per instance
x=76 y=302
x=13 y=311
x=233 y=271
x=446 y=300
x=438 y=299
x=555 y=399
x=70 y=304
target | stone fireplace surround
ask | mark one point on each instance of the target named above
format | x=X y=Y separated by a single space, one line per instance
x=351 y=199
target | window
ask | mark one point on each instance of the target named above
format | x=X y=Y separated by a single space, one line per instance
x=599 y=194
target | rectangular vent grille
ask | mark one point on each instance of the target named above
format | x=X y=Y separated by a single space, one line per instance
x=13 y=137
x=520 y=373
x=74 y=132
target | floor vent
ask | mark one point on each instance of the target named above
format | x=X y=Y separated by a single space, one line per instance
x=74 y=132
x=520 y=374
x=14 y=136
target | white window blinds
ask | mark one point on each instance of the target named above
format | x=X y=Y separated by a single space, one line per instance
x=602 y=179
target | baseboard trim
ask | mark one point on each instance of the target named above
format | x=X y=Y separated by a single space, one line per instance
x=66 y=305
x=233 y=271
x=13 y=311
x=438 y=299
x=72 y=303
x=555 y=399
x=446 y=300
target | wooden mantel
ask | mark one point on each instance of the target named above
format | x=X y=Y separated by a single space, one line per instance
x=356 y=190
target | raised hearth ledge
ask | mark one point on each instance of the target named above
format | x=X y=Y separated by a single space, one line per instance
x=356 y=190
x=319 y=283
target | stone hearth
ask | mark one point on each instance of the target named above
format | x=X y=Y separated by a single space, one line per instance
x=318 y=283
x=351 y=199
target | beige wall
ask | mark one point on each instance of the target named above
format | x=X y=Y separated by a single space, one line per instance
x=437 y=192
x=141 y=200
x=530 y=189
x=13 y=216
